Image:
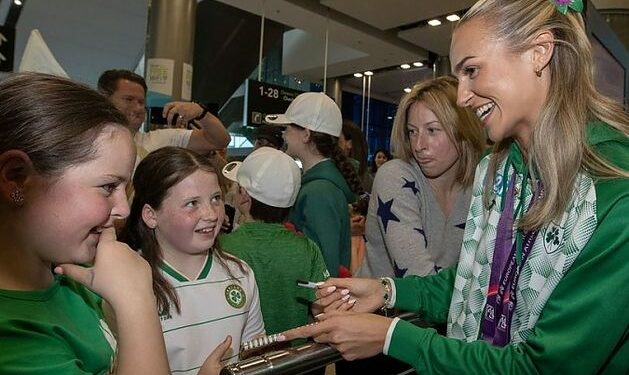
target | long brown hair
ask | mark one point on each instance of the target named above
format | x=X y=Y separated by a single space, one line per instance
x=53 y=120
x=558 y=150
x=352 y=132
x=154 y=177
x=327 y=146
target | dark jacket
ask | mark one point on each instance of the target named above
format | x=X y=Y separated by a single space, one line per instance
x=321 y=212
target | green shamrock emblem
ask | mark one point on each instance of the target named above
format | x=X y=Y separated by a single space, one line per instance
x=235 y=296
x=552 y=236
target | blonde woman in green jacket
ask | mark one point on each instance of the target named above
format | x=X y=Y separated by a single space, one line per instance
x=540 y=287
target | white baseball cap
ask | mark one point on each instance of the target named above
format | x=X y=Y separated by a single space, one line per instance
x=314 y=111
x=268 y=175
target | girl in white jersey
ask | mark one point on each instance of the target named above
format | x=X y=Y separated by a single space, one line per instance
x=203 y=294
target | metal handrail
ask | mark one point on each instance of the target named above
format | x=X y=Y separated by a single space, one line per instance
x=294 y=360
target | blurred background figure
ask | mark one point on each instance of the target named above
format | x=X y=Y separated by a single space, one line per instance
x=237 y=203
x=270 y=136
x=380 y=157
x=127 y=90
x=352 y=143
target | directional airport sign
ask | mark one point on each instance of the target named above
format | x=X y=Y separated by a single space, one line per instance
x=263 y=98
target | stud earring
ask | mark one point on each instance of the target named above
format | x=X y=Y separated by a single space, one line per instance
x=538 y=73
x=17 y=197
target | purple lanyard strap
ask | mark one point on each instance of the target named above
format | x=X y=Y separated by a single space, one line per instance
x=505 y=272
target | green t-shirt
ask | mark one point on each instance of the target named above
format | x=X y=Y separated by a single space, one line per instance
x=278 y=258
x=58 y=330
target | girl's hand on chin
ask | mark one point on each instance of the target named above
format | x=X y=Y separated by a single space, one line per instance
x=119 y=274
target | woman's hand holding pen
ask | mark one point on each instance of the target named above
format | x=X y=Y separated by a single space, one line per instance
x=353 y=333
x=364 y=295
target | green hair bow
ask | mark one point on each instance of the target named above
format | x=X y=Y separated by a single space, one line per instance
x=563 y=5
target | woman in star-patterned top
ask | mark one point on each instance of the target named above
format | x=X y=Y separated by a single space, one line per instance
x=420 y=199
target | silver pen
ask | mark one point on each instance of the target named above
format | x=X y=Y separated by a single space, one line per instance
x=309 y=284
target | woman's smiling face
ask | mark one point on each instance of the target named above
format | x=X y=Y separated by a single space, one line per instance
x=499 y=85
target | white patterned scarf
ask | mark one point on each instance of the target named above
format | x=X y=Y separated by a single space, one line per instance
x=554 y=251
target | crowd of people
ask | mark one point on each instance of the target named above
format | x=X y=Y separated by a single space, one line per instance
x=500 y=215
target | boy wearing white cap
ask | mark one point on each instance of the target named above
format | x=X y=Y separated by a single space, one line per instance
x=279 y=257
x=329 y=183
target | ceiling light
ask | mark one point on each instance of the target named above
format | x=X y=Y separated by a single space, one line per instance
x=405 y=66
x=358 y=75
x=407 y=90
x=434 y=22
x=418 y=64
x=368 y=73
x=17 y=2
x=453 y=18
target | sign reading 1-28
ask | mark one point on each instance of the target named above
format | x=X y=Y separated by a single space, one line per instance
x=269 y=92
x=264 y=98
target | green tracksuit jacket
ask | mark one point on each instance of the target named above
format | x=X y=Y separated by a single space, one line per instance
x=582 y=327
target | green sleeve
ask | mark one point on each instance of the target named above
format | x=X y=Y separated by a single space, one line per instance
x=324 y=225
x=586 y=317
x=583 y=328
x=318 y=272
x=429 y=295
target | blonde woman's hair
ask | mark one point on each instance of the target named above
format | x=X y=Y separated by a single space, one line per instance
x=460 y=124
x=558 y=149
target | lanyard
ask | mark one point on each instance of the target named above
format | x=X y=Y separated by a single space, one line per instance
x=509 y=256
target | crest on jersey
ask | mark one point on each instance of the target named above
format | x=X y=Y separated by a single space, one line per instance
x=235 y=296
x=553 y=235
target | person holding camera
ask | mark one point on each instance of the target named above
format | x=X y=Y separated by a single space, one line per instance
x=127 y=91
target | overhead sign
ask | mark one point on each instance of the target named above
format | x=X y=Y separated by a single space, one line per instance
x=262 y=99
x=7 y=48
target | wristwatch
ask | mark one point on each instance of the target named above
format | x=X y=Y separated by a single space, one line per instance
x=205 y=111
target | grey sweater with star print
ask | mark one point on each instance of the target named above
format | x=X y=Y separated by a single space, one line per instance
x=406 y=231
